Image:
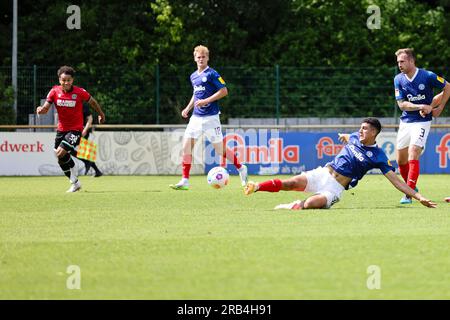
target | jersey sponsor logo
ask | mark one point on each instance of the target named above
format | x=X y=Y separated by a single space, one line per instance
x=421 y=86
x=204 y=79
x=412 y=98
x=221 y=80
x=440 y=79
x=358 y=155
x=66 y=103
x=199 y=88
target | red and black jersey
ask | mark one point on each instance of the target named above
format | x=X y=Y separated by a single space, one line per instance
x=69 y=106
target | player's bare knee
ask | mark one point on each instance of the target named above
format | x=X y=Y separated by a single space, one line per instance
x=414 y=152
x=315 y=202
x=289 y=184
x=308 y=204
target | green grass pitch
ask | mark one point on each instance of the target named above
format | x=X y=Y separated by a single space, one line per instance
x=134 y=238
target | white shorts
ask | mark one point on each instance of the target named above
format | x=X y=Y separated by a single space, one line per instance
x=320 y=181
x=413 y=133
x=209 y=125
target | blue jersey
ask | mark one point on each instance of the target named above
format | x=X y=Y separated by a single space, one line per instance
x=418 y=90
x=205 y=84
x=355 y=159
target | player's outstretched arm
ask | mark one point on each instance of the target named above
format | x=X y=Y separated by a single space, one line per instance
x=94 y=104
x=43 y=109
x=343 y=137
x=404 y=188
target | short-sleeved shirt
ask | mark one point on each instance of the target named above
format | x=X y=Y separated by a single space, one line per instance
x=355 y=159
x=418 y=90
x=69 y=106
x=205 y=84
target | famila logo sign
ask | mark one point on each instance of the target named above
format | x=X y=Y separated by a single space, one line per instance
x=263 y=149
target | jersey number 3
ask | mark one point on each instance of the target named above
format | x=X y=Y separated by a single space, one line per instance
x=422 y=132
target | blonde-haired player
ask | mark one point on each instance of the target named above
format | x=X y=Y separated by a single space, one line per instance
x=208 y=87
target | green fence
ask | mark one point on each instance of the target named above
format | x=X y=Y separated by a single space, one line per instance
x=157 y=94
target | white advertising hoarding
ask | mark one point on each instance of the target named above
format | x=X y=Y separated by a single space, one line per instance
x=118 y=153
x=26 y=153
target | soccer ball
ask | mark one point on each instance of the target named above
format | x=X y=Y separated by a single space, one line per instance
x=218 y=177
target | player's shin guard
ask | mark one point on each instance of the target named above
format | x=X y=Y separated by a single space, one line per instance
x=273 y=185
x=186 y=164
x=404 y=171
x=66 y=162
x=413 y=175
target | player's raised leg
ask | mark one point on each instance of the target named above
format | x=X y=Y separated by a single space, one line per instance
x=67 y=165
x=228 y=154
x=186 y=163
x=65 y=144
x=296 y=183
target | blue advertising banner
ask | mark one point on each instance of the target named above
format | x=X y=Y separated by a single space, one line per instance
x=268 y=152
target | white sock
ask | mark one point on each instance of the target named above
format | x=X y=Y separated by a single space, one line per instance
x=184 y=180
x=73 y=175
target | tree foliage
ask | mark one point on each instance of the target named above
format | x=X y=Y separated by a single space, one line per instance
x=120 y=43
x=7 y=114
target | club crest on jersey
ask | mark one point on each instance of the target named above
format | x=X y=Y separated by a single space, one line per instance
x=421 y=86
x=204 y=79
x=369 y=154
x=74 y=96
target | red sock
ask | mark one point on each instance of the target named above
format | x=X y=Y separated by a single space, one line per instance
x=273 y=185
x=186 y=164
x=413 y=175
x=404 y=169
x=230 y=155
